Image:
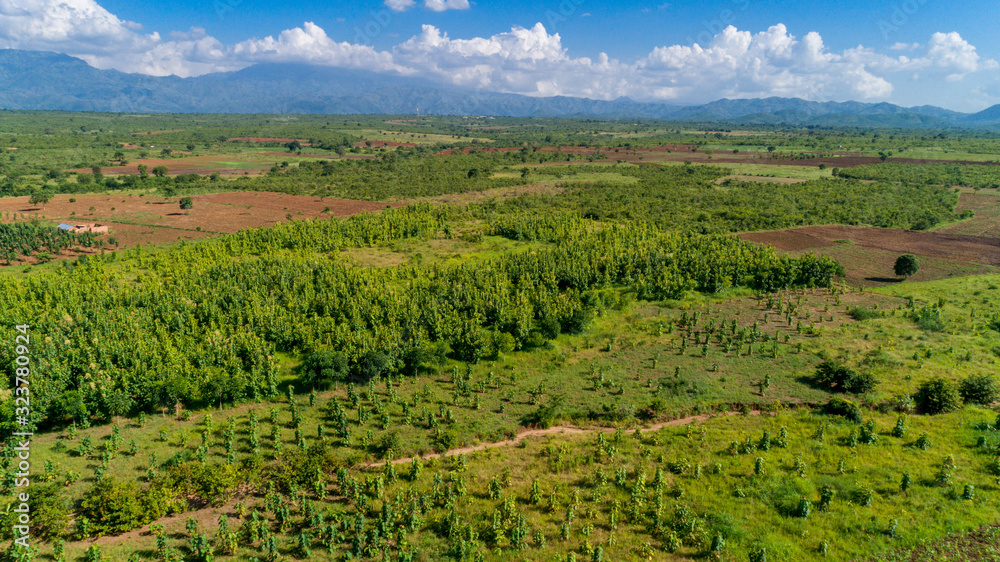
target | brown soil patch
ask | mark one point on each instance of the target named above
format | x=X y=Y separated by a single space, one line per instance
x=559 y=430
x=986 y=220
x=203 y=165
x=868 y=254
x=156 y=220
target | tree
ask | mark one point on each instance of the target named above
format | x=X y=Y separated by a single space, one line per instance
x=42 y=197
x=938 y=396
x=906 y=265
x=324 y=367
x=160 y=171
x=186 y=203
x=294 y=146
x=979 y=389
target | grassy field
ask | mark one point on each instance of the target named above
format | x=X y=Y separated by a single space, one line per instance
x=614 y=427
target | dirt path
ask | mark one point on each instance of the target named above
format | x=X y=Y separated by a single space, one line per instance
x=561 y=430
x=207 y=517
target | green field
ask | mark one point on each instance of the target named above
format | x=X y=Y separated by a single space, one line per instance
x=536 y=354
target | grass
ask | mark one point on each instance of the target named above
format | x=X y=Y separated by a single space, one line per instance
x=568 y=468
x=628 y=369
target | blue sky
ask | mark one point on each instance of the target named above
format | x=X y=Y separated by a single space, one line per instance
x=911 y=52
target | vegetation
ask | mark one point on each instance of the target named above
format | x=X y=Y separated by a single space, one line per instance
x=906 y=265
x=606 y=372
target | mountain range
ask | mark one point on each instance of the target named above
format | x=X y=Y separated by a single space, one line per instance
x=37 y=80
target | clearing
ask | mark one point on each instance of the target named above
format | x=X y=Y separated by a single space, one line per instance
x=868 y=254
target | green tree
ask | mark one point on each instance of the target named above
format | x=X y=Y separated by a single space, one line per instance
x=42 y=197
x=906 y=265
x=186 y=203
x=322 y=368
x=160 y=171
x=938 y=396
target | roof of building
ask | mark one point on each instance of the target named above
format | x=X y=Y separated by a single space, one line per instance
x=65 y=226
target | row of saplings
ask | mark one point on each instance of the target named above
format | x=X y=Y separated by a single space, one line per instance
x=382 y=523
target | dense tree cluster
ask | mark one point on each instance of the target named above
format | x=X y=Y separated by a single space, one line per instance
x=971 y=175
x=201 y=323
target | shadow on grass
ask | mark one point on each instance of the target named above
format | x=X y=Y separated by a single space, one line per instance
x=888 y=280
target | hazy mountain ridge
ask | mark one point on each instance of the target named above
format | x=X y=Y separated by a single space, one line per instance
x=42 y=80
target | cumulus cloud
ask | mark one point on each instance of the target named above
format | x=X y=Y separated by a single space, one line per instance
x=442 y=5
x=738 y=64
x=311 y=44
x=523 y=61
x=84 y=29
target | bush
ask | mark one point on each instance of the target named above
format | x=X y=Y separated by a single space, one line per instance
x=860 y=313
x=113 y=507
x=979 y=389
x=844 y=379
x=838 y=406
x=322 y=368
x=387 y=444
x=928 y=318
x=938 y=396
x=210 y=483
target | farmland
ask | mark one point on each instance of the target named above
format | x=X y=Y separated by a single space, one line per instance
x=436 y=338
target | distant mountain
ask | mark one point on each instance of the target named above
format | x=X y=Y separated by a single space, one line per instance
x=43 y=80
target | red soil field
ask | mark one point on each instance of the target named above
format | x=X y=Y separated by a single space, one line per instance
x=868 y=254
x=156 y=220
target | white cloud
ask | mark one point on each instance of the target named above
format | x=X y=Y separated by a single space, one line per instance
x=531 y=61
x=400 y=5
x=311 y=44
x=62 y=24
x=738 y=64
x=442 y=5
x=524 y=61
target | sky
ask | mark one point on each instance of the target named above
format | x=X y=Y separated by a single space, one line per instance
x=908 y=52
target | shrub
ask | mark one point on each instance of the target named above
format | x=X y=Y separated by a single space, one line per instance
x=838 y=406
x=860 y=313
x=938 y=396
x=113 y=507
x=928 y=318
x=979 y=389
x=845 y=379
x=211 y=483
x=324 y=367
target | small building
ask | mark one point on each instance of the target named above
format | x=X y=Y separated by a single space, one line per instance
x=80 y=228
